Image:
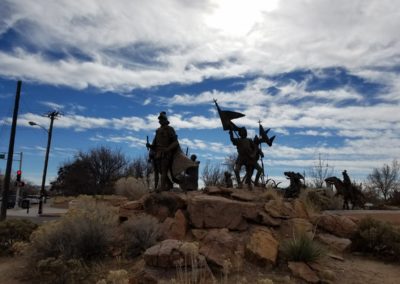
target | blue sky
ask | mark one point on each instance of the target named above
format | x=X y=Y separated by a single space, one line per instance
x=323 y=75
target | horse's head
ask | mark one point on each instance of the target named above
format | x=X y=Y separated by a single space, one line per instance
x=332 y=180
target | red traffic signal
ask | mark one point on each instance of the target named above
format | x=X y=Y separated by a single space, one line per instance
x=19 y=172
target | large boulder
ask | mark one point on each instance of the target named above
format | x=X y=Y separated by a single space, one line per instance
x=175 y=228
x=131 y=208
x=223 y=250
x=285 y=209
x=338 y=244
x=206 y=211
x=337 y=225
x=163 y=205
x=262 y=247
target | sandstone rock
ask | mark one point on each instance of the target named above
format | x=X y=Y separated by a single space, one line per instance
x=300 y=210
x=262 y=247
x=172 y=253
x=199 y=234
x=280 y=209
x=244 y=196
x=175 y=228
x=163 y=205
x=207 y=211
x=339 y=244
x=294 y=227
x=340 y=226
x=223 y=249
x=133 y=205
x=164 y=254
x=216 y=190
x=327 y=275
x=303 y=271
x=131 y=208
x=266 y=219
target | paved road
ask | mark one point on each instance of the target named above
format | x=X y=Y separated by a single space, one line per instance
x=48 y=213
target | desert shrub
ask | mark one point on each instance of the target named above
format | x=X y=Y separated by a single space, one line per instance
x=115 y=277
x=132 y=188
x=139 y=234
x=323 y=199
x=84 y=233
x=377 y=237
x=302 y=248
x=14 y=230
x=271 y=194
x=58 y=270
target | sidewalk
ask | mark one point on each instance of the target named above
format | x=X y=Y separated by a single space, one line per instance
x=48 y=213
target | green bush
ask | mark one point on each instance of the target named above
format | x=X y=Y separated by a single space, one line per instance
x=14 y=230
x=377 y=237
x=86 y=233
x=139 y=234
x=302 y=248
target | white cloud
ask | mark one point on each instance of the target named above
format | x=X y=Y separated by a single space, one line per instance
x=52 y=105
x=119 y=45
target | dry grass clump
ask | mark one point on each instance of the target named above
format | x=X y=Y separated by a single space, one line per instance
x=131 y=187
x=58 y=270
x=14 y=231
x=271 y=194
x=321 y=199
x=193 y=269
x=115 y=277
x=84 y=233
x=302 y=248
x=139 y=233
x=377 y=237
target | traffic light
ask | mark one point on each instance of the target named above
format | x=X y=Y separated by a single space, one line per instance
x=19 y=172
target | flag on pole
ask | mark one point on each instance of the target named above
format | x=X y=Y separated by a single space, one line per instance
x=264 y=136
x=226 y=116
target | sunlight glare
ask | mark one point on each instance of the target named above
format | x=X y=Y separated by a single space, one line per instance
x=237 y=17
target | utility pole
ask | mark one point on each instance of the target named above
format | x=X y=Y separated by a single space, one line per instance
x=7 y=178
x=53 y=115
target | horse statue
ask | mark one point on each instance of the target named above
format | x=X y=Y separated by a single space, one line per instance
x=293 y=191
x=349 y=192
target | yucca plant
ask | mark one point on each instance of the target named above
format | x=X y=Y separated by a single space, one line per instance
x=302 y=248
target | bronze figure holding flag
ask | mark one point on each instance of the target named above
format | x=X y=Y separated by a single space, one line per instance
x=249 y=150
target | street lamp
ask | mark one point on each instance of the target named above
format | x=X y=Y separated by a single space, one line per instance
x=52 y=116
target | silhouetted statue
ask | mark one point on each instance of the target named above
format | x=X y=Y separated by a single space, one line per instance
x=247 y=155
x=347 y=190
x=293 y=191
x=228 y=180
x=189 y=181
x=164 y=145
x=346 y=178
x=249 y=151
x=152 y=161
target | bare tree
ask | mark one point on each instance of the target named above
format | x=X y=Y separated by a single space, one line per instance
x=230 y=162
x=212 y=174
x=94 y=172
x=320 y=171
x=385 y=179
x=140 y=168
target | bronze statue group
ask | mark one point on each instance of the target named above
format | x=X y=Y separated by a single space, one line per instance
x=171 y=165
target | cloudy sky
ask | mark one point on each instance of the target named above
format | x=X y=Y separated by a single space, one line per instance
x=322 y=74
